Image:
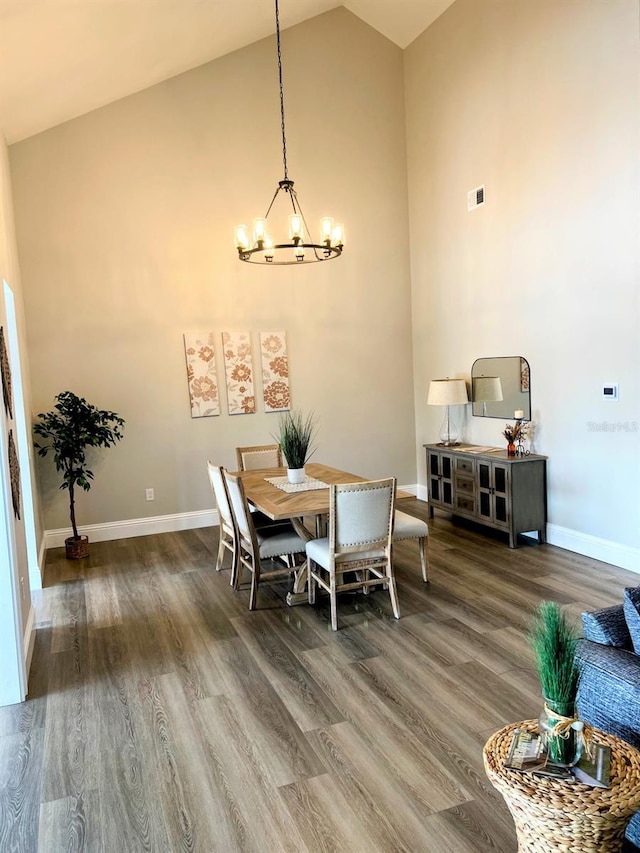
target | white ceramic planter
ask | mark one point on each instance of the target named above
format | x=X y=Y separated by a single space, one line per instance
x=295 y=475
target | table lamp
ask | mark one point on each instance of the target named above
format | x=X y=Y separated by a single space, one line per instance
x=487 y=389
x=447 y=392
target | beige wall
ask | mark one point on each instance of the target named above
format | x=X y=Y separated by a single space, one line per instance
x=125 y=219
x=539 y=102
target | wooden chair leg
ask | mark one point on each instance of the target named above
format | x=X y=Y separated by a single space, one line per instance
x=221 y=550
x=255 y=580
x=393 y=593
x=424 y=558
x=333 y=598
x=311 y=584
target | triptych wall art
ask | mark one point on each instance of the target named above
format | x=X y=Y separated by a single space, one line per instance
x=237 y=356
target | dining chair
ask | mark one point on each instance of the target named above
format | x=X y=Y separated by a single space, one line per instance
x=260 y=456
x=228 y=534
x=408 y=527
x=360 y=539
x=257 y=544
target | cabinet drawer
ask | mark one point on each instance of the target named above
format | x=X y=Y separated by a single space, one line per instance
x=465 y=485
x=464 y=466
x=466 y=504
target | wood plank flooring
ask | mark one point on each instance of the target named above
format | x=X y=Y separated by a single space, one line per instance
x=163 y=716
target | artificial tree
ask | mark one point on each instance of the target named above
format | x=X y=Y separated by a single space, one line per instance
x=69 y=429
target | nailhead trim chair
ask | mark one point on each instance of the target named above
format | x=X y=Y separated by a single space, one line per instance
x=257 y=544
x=260 y=456
x=360 y=535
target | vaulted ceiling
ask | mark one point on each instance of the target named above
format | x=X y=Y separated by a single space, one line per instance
x=62 y=58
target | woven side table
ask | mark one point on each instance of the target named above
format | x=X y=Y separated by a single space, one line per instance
x=554 y=816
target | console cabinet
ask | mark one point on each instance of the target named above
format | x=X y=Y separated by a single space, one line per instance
x=487 y=486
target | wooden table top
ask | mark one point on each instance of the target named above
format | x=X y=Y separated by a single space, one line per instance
x=277 y=504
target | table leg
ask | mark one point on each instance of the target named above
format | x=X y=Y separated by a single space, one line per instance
x=299 y=594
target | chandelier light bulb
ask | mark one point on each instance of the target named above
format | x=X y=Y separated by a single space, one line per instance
x=259 y=229
x=337 y=236
x=299 y=253
x=242 y=238
x=268 y=249
x=326 y=226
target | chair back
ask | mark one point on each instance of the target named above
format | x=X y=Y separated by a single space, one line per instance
x=239 y=507
x=361 y=516
x=260 y=456
x=216 y=478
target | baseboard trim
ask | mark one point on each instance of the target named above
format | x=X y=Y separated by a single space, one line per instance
x=135 y=527
x=622 y=556
x=613 y=553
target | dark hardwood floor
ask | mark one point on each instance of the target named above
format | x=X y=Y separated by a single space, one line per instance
x=163 y=716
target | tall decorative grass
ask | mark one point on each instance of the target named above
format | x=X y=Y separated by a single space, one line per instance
x=554 y=639
x=295 y=436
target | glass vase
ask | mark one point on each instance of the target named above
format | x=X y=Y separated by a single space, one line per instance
x=564 y=748
x=511 y=450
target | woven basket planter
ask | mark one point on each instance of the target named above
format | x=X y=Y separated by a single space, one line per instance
x=76 y=549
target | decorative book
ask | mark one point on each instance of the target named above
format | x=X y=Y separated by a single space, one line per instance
x=528 y=755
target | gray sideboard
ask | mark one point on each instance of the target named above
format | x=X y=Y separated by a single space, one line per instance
x=489 y=487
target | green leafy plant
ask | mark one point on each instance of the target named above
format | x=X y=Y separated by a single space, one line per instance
x=295 y=436
x=68 y=430
x=554 y=639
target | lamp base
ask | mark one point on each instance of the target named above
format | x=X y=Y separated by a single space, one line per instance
x=450 y=443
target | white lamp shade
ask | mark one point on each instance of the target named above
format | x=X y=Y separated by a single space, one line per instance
x=487 y=389
x=447 y=392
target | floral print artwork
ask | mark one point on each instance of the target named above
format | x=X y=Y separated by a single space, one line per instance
x=201 y=374
x=14 y=472
x=238 y=366
x=7 y=393
x=275 y=371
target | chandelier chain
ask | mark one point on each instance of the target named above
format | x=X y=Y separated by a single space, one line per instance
x=284 y=138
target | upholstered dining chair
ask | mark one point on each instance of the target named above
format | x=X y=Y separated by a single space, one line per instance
x=260 y=456
x=228 y=535
x=360 y=538
x=257 y=544
x=408 y=527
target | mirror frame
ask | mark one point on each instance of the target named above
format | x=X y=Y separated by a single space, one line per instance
x=504 y=409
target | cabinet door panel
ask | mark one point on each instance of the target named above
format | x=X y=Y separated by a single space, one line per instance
x=435 y=489
x=501 y=509
x=446 y=467
x=433 y=464
x=484 y=475
x=484 y=508
x=500 y=478
x=447 y=493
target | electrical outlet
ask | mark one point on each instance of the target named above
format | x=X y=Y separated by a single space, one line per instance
x=149 y=494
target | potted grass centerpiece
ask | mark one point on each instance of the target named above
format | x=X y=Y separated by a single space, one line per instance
x=295 y=436
x=554 y=639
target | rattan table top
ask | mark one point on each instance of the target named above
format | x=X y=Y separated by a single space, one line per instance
x=622 y=798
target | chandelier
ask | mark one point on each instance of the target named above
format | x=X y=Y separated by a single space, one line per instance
x=263 y=247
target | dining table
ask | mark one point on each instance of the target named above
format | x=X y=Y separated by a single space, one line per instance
x=269 y=491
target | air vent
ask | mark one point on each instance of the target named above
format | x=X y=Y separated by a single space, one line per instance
x=475 y=198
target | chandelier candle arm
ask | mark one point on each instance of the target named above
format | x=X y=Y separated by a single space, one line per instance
x=299 y=246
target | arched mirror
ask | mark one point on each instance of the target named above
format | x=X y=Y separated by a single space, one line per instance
x=500 y=387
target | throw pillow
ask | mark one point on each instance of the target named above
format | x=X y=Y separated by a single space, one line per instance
x=607 y=626
x=632 y=615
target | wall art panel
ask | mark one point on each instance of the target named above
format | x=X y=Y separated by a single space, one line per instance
x=238 y=366
x=201 y=374
x=275 y=371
